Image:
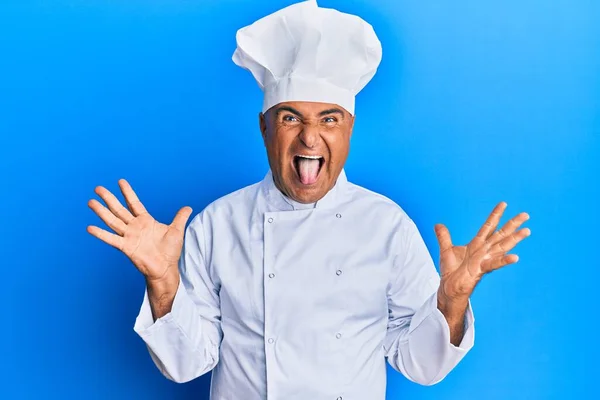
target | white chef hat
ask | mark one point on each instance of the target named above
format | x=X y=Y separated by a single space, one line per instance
x=307 y=53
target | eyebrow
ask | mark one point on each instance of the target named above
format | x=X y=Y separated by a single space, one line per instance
x=334 y=110
x=331 y=111
x=281 y=109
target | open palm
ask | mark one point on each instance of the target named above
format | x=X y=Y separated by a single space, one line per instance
x=153 y=247
x=462 y=267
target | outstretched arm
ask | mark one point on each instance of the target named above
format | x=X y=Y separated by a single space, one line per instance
x=431 y=323
x=462 y=267
x=180 y=315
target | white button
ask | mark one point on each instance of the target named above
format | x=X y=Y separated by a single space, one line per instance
x=339 y=216
x=338 y=272
x=338 y=335
x=339 y=398
x=270 y=220
x=271 y=275
x=271 y=340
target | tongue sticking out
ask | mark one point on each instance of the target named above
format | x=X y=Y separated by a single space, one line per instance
x=308 y=170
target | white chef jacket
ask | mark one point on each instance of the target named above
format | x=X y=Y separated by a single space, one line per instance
x=293 y=303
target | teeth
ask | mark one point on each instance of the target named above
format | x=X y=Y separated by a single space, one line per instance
x=310 y=157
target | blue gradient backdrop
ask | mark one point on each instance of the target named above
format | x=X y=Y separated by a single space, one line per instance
x=475 y=102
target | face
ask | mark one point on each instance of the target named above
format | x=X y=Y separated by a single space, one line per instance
x=307 y=146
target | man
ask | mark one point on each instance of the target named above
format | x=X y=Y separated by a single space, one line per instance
x=302 y=285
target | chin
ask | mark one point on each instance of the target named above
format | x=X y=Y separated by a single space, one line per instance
x=307 y=193
x=306 y=198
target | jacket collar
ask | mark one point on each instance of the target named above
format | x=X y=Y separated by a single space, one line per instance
x=283 y=203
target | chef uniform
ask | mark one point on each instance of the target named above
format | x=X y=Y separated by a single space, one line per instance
x=291 y=301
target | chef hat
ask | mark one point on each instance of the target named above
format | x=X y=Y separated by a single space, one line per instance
x=307 y=53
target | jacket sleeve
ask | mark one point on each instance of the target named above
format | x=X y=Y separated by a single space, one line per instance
x=417 y=342
x=184 y=343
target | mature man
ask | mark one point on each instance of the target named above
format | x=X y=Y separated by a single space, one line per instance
x=302 y=285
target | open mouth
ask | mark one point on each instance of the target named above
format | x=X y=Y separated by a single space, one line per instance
x=308 y=168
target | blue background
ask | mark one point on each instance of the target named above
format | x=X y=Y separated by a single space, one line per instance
x=475 y=102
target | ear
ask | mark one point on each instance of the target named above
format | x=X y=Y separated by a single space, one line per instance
x=352 y=117
x=262 y=123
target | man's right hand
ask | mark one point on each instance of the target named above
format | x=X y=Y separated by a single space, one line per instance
x=153 y=247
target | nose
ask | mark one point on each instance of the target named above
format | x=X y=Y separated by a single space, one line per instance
x=310 y=135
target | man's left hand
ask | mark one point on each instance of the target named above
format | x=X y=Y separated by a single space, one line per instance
x=462 y=267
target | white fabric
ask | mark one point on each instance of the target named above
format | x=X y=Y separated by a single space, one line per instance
x=308 y=53
x=352 y=284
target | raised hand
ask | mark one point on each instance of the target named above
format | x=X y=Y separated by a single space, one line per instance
x=462 y=267
x=153 y=247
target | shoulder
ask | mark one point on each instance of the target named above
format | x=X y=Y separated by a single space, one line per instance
x=376 y=202
x=236 y=203
x=375 y=208
x=239 y=198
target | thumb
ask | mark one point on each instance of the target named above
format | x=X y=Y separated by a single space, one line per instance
x=443 y=237
x=181 y=218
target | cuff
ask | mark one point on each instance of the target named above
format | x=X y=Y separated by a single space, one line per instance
x=182 y=304
x=428 y=314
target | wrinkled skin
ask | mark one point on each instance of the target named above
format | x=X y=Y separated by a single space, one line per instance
x=307 y=128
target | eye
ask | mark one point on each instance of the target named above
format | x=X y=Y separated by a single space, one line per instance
x=330 y=120
x=290 y=118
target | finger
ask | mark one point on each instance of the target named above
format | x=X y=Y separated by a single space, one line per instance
x=505 y=245
x=107 y=237
x=476 y=257
x=443 y=237
x=490 y=224
x=495 y=263
x=109 y=218
x=512 y=225
x=181 y=218
x=114 y=205
x=134 y=204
